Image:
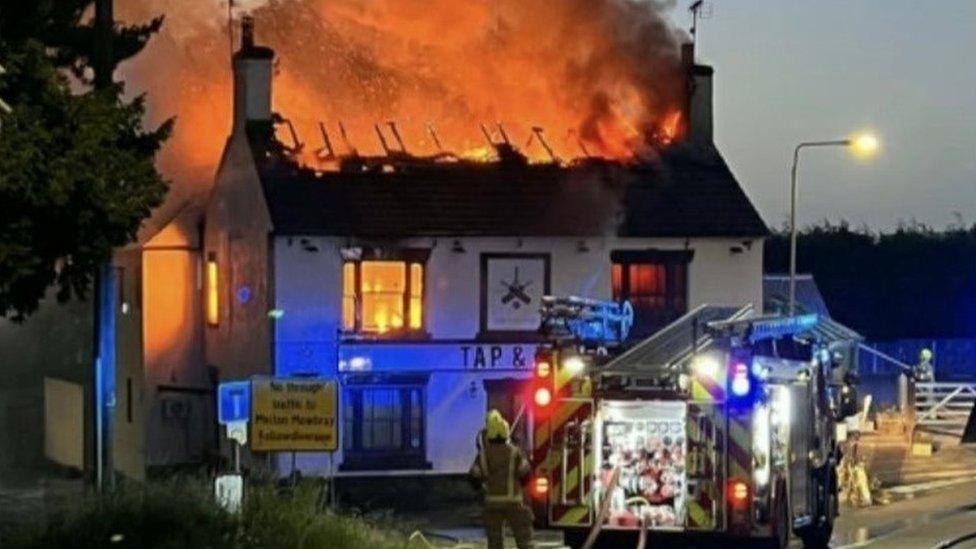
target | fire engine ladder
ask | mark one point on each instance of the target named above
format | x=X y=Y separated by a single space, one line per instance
x=676 y=343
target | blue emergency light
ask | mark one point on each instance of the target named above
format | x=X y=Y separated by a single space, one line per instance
x=743 y=384
x=740 y=383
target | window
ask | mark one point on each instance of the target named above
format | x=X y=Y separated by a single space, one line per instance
x=655 y=282
x=384 y=427
x=381 y=297
x=213 y=290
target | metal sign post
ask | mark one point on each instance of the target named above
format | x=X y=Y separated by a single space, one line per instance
x=332 y=489
x=234 y=411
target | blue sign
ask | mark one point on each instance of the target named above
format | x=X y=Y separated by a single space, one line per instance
x=233 y=402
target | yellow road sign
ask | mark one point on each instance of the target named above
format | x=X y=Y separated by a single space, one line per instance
x=294 y=415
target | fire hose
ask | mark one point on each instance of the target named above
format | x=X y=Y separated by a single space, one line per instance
x=604 y=510
x=418 y=540
x=642 y=536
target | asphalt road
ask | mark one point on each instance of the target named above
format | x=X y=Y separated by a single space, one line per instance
x=921 y=523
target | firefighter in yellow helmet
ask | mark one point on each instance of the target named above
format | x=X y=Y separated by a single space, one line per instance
x=923 y=370
x=500 y=468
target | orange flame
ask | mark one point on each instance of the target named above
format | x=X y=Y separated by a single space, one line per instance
x=599 y=75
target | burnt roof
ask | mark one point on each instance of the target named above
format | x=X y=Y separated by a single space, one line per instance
x=688 y=192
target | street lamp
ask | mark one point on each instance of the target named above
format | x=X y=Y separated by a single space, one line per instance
x=863 y=145
x=4 y=108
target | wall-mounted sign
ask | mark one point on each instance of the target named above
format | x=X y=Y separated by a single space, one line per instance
x=294 y=415
x=512 y=286
x=366 y=357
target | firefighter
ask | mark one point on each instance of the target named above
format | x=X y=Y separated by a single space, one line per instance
x=500 y=469
x=923 y=370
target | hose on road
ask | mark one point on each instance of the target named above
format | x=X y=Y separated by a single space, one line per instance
x=956 y=541
x=418 y=540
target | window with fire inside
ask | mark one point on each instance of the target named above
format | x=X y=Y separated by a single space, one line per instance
x=383 y=297
x=656 y=284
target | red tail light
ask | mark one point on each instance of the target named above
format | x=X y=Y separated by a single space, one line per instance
x=738 y=494
x=540 y=486
x=542 y=397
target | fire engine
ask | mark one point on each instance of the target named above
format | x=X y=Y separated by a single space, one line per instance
x=721 y=424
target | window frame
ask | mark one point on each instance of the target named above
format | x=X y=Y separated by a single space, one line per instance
x=674 y=264
x=409 y=257
x=358 y=458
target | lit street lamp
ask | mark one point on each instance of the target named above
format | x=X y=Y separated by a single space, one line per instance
x=863 y=145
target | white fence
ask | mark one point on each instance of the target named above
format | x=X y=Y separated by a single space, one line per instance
x=944 y=405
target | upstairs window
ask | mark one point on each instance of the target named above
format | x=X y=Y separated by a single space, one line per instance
x=382 y=297
x=656 y=284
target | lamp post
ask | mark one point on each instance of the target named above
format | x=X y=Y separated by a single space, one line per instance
x=862 y=145
x=4 y=108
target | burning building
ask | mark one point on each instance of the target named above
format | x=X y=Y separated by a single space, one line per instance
x=415 y=281
x=411 y=274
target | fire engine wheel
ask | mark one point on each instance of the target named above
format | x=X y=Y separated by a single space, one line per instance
x=818 y=535
x=781 y=518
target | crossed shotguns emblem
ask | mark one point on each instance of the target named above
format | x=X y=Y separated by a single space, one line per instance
x=516 y=295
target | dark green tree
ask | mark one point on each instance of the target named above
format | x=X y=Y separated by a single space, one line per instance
x=77 y=174
x=912 y=282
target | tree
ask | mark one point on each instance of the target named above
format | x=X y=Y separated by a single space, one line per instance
x=77 y=174
x=913 y=282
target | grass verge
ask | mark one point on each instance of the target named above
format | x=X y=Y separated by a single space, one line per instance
x=181 y=514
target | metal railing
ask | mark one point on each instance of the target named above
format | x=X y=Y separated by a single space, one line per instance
x=944 y=404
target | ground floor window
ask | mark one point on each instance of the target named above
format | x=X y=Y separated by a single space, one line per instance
x=384 y=427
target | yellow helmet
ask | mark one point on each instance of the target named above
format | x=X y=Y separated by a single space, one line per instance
x=925 y=355
x=495 y=426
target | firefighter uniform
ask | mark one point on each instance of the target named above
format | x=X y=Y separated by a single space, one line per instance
x=923 y=370
x=500 y=468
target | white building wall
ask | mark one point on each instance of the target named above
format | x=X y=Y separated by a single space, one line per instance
x=307 y=288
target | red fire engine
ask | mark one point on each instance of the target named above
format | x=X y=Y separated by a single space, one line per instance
x=722 y=424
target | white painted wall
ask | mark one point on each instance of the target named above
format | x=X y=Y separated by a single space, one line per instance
x=307 y=287
x=308 y=283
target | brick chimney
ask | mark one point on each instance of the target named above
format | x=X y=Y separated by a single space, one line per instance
x=699 y=85
x=252 y=79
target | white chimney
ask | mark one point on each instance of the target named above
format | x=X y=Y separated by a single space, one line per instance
x=252 y=79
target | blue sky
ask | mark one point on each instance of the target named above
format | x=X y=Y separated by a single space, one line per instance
x=790 y=70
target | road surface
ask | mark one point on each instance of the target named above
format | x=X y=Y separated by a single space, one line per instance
x=920 y=523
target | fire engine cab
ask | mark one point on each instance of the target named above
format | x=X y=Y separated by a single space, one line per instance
x=722 y=424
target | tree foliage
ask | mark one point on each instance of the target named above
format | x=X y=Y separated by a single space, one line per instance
x=76 y=165
x=914 y=282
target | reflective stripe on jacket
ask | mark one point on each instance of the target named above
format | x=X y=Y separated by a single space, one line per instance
x=500 y=467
